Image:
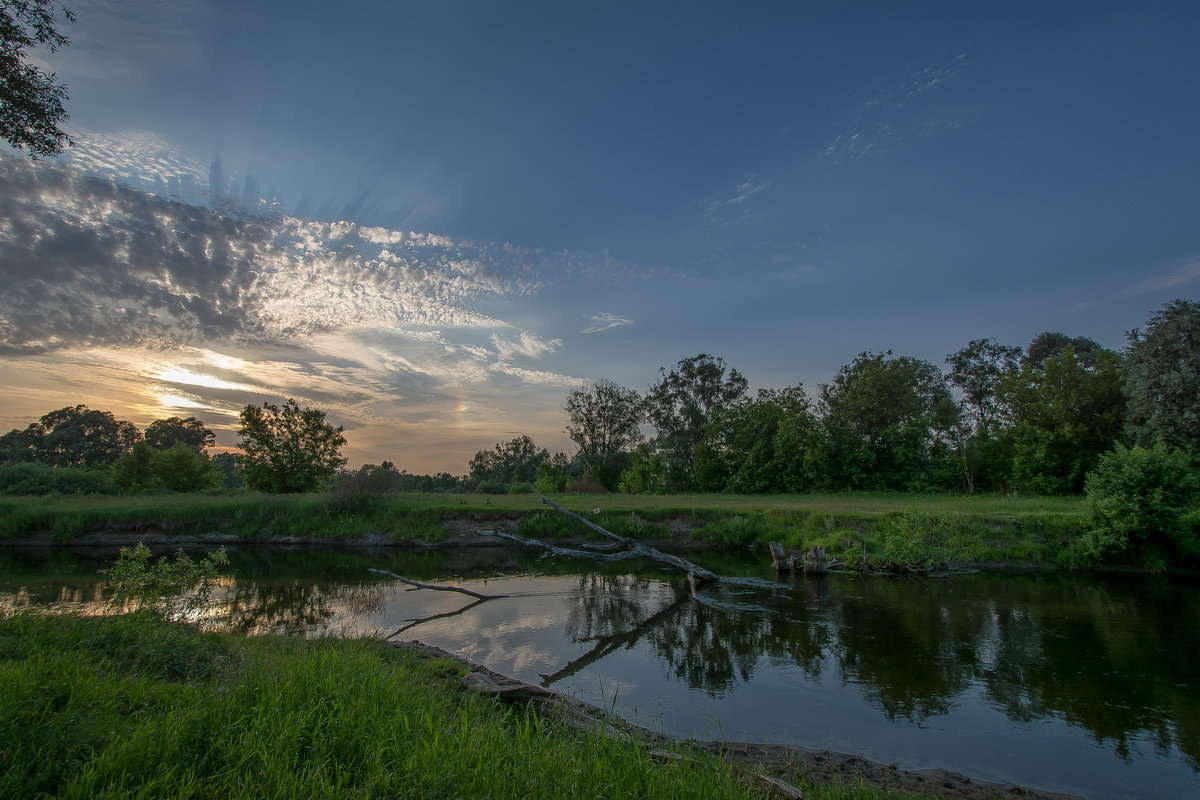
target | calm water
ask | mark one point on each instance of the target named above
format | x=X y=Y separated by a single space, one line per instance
x=1065 y=683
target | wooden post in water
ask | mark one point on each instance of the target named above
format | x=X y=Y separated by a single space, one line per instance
x=779 y=558
x=814 y=561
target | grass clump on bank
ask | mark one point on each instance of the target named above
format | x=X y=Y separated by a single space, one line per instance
x=135 y=706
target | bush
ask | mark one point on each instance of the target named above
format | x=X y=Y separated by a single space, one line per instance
x=1141 y=496
x=736 y=531
x=32 y=477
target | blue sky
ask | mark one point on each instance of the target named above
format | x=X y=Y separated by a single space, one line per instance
x=588 y=190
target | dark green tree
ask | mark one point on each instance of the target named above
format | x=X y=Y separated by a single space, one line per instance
x=179 y=468
x=134 y=471
x=1051 y=343
x=603 y=420
x=1162 y=379
x=74 y=436
x=975 y=371
x=682 y=402
x=514 y=461
x=162 y=434
x=31 y=101
x=766 y=444
x=886 y=421
x=1061 y=416
x=288 y=449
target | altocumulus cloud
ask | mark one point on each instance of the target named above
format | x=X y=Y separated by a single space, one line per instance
x=209 y=310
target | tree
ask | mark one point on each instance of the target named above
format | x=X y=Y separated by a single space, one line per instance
x=885 y=420
x=515 y=461
x=682 y=403
x=162 y=434
x=1142 y=495
x=31 y=102
x=1162 y=379
x=1052 y=343
x=976 y=370
x=179 y=468
x=288 y=449
x=603 y=422
x=1061 y=417
x=763 y=445
x=134 y=471
x=74 y=436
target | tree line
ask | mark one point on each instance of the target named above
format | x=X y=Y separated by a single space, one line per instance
x=78 y=449
x=994 y=418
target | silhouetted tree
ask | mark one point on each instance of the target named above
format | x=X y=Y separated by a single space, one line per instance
x=31 y=101
x=74 y=436
x=162 y=434
x=288 y=448
x=603 y=421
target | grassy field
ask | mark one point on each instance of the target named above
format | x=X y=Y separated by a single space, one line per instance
x=135 y=707
x=889 y=529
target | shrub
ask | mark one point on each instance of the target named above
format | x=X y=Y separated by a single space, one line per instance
x=1141 y=496
x=35 y=478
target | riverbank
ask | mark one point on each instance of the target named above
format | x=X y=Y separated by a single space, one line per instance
x=134 y=706
x=886 y=529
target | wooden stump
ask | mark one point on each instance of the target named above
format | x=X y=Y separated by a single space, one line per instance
x=814 y=561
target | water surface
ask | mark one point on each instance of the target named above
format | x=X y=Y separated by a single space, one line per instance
x=1061 y=682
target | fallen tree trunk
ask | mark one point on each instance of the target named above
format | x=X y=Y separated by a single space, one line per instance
x=696 y=574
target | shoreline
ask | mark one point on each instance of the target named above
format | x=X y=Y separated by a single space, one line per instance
x=778 y=762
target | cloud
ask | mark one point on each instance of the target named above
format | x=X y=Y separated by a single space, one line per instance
x=894 y=113
x=729 y=206
x=525 y=344
x=605 y=321
x=1188 y=273
x=151 y=307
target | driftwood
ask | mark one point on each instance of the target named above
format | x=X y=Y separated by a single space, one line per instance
x=437 y=587
x=696 y=574
x=813 y=562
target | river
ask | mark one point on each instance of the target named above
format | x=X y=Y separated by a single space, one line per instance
x=1067 y=683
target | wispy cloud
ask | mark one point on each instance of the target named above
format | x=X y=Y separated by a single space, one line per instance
x=605 y=322
x=730 y=205
x=892 y=113
x=526 y=344
x=1180 y=276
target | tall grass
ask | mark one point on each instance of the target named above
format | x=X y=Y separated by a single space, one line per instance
x=136 y=707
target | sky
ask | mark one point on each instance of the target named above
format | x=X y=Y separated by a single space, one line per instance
x=434 y=220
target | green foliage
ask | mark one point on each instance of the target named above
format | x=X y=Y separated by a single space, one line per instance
x=681 y=404
x=163 y=434
x=514 y=461
x=603 y=420
x=976 y=371
x=1162 y=379
x=31 y=102
x=32 y=478
x=886 y=420
x=288 y=449
x=551 y=478
x=736 y=531
x=134 y=471
x=1142 y=496
x=1061 y=417
x=74 y=436
x=644 y=474
x=291 y=718
x=766 y=445
x=179 y=468
x=171 y=588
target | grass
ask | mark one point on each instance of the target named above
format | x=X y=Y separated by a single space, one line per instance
x=135 y=707
x=894 y=528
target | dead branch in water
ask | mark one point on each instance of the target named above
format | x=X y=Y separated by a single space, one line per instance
x=696 y=574
x=437 y=587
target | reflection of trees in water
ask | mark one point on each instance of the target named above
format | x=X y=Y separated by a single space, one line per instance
x=1104 y=656
x=296 y=606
